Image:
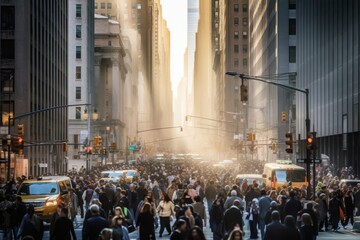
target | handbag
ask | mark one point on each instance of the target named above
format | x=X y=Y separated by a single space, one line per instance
x=341 y=214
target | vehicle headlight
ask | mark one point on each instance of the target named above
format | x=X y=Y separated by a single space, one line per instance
x=51 y=203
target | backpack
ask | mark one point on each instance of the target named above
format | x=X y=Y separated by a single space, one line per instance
x=88 y=195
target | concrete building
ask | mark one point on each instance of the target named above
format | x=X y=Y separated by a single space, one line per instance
x=81 y=80
x=272 y=38
x=236 y=57
x=328 y=65
x=34 y=77
x=109 y=81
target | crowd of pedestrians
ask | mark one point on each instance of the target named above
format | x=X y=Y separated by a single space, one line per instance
x=172 y=196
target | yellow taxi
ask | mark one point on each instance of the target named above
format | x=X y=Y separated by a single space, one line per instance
x=115 y=176
x=45 y=194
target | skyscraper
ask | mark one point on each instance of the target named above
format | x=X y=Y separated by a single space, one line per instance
x=34 y=77
x=272 y=51
x=328 y=65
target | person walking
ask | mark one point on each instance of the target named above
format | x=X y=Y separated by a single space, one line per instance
x=264 y=206
x=119 y=231
x=93 y=225
x=335 y=205
x=349 y=209
x=145 y=223
x=165 y=210
x=275 y=230
x=253 y=217
x=31 y=225
x=306 y=229
x=179 y=230
x=64 y=227
x=291 y=231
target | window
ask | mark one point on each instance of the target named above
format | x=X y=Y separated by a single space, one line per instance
x=245 y=21
x=292 y=4
x=78 y=52
x=292 y=54
x=292 y=26
x=236 y=21
x=78 y=93
x=244 y=62
x=109 y=5
x=244 y=7
x=78 y=10
x=96 y=5
x=76 y=141
x=7 y=107
x=78 y=113
x=139 y=6
x=7 y=80
x=244 y=35
x=78 y=31
x=102 y=5
x=78 y=72
x=245 y=48
x=236 y=35
x=236 y=62
x=236 y=7
x=236 y=48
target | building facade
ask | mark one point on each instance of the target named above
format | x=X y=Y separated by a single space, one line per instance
x=34 y=77
x=272 y=39
x=80 y=75
x=328 y=65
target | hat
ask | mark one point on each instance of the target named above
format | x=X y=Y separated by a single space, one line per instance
x=273 y=204
x=322 y=195
x=233 y=193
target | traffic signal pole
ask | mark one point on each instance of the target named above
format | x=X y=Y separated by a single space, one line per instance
x=307 y=120
x=308 y=151
x=8 y=137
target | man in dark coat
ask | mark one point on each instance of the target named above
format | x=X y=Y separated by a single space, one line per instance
x=292 y=206
x=309 y=209
x=210 y=194
x=94 y=224
x=232 y=217
x=275 y=230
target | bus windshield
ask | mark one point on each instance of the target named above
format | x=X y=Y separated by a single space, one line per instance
x=295 y=175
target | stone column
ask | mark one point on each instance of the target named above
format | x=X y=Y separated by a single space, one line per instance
x=116 y=91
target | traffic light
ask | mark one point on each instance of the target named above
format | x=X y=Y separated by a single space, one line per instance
x=16 y=144
x=64 y=145
x=248 y=137
x=289 y=143
x=20 y=129
x=311 y=141
x=283 y=116
x=243 y=93
x=21 y=146
x=99 y=141
x=273 y=146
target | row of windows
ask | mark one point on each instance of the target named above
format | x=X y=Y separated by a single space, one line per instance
x=244 y=8
x=103 y=5
x=244 y=21
x=244 y=63
x=244 y=48
x=244 y=35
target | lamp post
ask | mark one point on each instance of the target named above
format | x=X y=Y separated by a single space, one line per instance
x=307 y=119
x=94 y=116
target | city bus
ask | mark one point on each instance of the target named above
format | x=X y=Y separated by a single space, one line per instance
x=282 y=172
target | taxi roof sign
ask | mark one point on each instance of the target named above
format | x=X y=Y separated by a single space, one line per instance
x=283 y=161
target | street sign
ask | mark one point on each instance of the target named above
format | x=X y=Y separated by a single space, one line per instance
x=43 y=165
x=317 y=161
